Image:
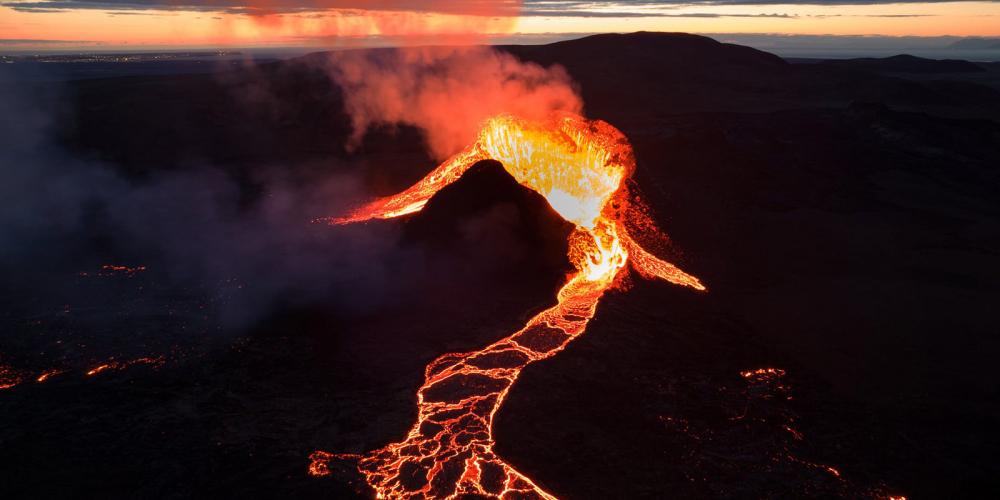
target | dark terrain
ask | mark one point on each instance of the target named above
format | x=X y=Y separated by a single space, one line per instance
x=843 y=216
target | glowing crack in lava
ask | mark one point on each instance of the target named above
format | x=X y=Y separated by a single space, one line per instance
x=578 y=165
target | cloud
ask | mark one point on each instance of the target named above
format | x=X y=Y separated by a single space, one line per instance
x=27 y=41
x=487 y=8
x=712 y=15
x=573 y=7
x=603 y=14
x=829 y=16
x=133 y=13
x=587 y=13
x=118 y=8
x=658 y=8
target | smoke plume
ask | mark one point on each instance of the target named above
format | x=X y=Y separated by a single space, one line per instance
x=446 y=92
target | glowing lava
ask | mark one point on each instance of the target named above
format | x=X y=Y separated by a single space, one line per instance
x=9 y=377
x=118 y=365
x=578 y=165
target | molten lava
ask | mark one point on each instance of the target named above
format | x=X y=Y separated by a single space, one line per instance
x=578 y=165
x=9 y=377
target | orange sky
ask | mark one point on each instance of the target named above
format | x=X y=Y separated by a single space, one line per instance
x=139 y=29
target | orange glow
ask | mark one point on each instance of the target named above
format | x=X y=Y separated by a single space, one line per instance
x=578 y=165
x=331 y=26
x=763 y=373
x=98 y=369
x=45 y=376
x=321 y=28
x=9 y=377
x=118 y=365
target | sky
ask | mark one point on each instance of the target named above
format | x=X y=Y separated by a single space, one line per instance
x=149 y=24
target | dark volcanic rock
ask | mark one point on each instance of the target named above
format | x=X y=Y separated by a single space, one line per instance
x=490 y=225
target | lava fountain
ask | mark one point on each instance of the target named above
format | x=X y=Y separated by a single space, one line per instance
x=579 y=166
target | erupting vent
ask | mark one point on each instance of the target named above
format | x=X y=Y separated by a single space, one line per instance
x=578 y=165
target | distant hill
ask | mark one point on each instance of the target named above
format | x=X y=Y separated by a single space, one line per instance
x=907 y=64
x=638 y=74
x=623 y=78
x=976 y=43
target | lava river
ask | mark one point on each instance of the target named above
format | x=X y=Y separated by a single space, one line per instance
x=579 y=166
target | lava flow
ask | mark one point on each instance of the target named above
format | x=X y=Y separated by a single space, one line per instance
x=579 y=166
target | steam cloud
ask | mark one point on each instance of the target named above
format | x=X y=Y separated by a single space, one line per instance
x=446 y=92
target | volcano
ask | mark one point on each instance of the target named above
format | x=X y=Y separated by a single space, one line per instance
x=579 y=167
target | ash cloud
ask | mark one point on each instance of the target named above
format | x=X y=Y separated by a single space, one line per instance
x=446 y=92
